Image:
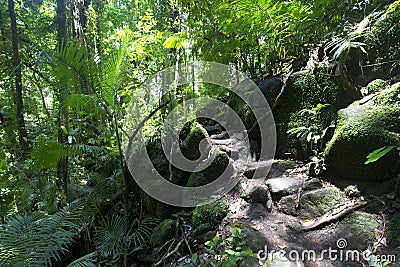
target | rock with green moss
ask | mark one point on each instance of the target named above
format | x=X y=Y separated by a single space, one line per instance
x=312 y=204
x=376 y=86
x=357 y=229
x=383 y=41
x=218 y=166
x=211 y=213
x=362 y=128
x=393 y=233
x=162 y=233
x=352 y=191
x=197 y=144
x=305 y=90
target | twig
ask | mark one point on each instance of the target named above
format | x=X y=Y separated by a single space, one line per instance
x=166 y=256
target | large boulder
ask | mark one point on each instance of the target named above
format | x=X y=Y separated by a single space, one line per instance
x=312 y=204
x=162 y=233
x=195 y=137
x=383 y=41
x=305 y=90
x=197 y=141
x=217 y=167
x=362 y=127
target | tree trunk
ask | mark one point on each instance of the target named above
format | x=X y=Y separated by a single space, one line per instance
x=22 y=133
x=62 y=167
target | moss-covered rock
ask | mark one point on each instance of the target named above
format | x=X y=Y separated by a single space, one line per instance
x=383 y=41
x=163 y=233
x=196 y=141
x=211 y=173
x=312 y=204
x=376 y=86
x=211 y=213
x=357 y=229
x=393 y=234
x=361 y=129
x=305 y=90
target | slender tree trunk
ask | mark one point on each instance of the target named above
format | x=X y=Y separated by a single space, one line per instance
x=62 y=167
x=2 y=31
x=22 y=133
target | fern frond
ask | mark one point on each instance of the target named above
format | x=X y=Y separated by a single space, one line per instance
x=38 y=239
x=112 y=68
x=46 y=154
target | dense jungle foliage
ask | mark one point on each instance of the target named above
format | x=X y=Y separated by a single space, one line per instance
x=69 y=69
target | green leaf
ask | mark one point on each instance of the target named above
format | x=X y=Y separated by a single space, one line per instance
x=176 y=41
x=64 y=129
x=378 y=153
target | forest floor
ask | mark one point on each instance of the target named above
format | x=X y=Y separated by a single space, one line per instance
x=294 y=215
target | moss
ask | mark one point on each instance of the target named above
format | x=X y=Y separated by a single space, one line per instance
x=393 y=233
x=352 y=191
x=391 y=96
x=383 y=42
x=289 y=164
x=312 y=204
x=211 y=173
x=305 y=90
x=162 y=233
x=211 y=213
x=376 y=86
x=323 y=202
x=362 y=129
x=357 y=229
x=190 y=147
x=245 y=114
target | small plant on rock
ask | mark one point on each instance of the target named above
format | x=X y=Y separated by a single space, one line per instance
x=313 y=133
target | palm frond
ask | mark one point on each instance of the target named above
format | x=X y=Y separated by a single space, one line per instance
x=143 y=231
x=112 y=68
x=73 y=67
x=85 y=261
x=83 y=102
x=110 y=236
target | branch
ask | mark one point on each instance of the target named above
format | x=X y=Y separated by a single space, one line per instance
x=166 y=256
x=336 y=213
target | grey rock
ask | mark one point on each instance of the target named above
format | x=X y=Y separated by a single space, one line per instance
x=312 y=204
x=213 y=129
x=254 y=239
x=256 y=211
x=263 y=168
x=312 y=184
x=283 y=186
x=223 y=135
x=257 y=194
